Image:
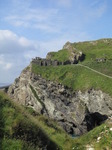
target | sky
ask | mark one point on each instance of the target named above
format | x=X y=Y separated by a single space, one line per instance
x=32 y=28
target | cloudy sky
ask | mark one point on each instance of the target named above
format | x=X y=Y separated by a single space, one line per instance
x=30 y=28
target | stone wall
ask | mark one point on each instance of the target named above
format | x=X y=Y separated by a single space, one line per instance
x=47 y=62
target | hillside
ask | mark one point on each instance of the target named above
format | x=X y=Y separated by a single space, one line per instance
x=78 y=77
x=22 y=128
x=91 y=49
x=72 y=87
x=17 y=132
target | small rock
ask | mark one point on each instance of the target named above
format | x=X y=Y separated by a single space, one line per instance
x=89 y=147
x=98 y=138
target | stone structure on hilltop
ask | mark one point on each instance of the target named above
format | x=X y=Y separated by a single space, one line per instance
x=74 y=59
x=45 y=62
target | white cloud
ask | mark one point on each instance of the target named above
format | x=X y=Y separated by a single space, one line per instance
x=16 y=52
x=13 y=51
x=53 y=19
x=34 y=18
x=11 y=43
x=6 y=34
x=52 y=23
x=4 y=64
x=8 y=66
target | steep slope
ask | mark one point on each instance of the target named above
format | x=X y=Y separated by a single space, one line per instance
x=77 y=96
x=22 y=129
x=97 y=139
x=77 y=112
x=97 y=54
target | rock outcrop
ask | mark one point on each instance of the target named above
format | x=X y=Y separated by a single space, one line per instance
x=77 y=112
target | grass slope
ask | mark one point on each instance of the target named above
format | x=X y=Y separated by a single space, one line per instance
x=59 y=55
x=23 y=129
x=95 y=49
x=91 y=49
x=75 y=77
x=102 y=132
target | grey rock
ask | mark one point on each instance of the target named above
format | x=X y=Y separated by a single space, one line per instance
x=75 y=111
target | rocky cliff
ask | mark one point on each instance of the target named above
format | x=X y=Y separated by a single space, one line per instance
x=76 y=111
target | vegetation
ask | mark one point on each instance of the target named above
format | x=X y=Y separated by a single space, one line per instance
x=36 y=96
x=75 y=77
x=103 y=67
x=61 y=56
x=92 y=50
x=99 y=138
x=20 y=130
x=95 y=49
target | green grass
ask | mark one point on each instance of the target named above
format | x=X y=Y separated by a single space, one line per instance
x=103 y=67
x=36 y=96
x=22 y=129
x=61 y=55
x=80 y=78
x=95 y=49
x=75 y=77
x=90 y=138
x=91 y=49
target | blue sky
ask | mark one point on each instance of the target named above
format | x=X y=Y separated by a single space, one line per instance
x=30 y=28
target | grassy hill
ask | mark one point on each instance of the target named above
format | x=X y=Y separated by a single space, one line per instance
x=95 y=49
x=82 y=78
x=78 y=77
x=75 y=77
x=91 y=49
x=23 y=129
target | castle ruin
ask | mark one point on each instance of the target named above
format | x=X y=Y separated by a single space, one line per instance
x=48 y=62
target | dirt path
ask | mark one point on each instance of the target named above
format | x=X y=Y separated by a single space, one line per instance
x=94 y=71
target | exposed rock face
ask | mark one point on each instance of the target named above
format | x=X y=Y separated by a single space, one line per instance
x=75 y=55
x=77 y=112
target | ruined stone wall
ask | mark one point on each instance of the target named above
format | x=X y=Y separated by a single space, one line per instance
x=48 y=62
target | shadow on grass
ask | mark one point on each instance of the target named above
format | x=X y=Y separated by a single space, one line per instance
x=1 y=121
x=35 y=135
